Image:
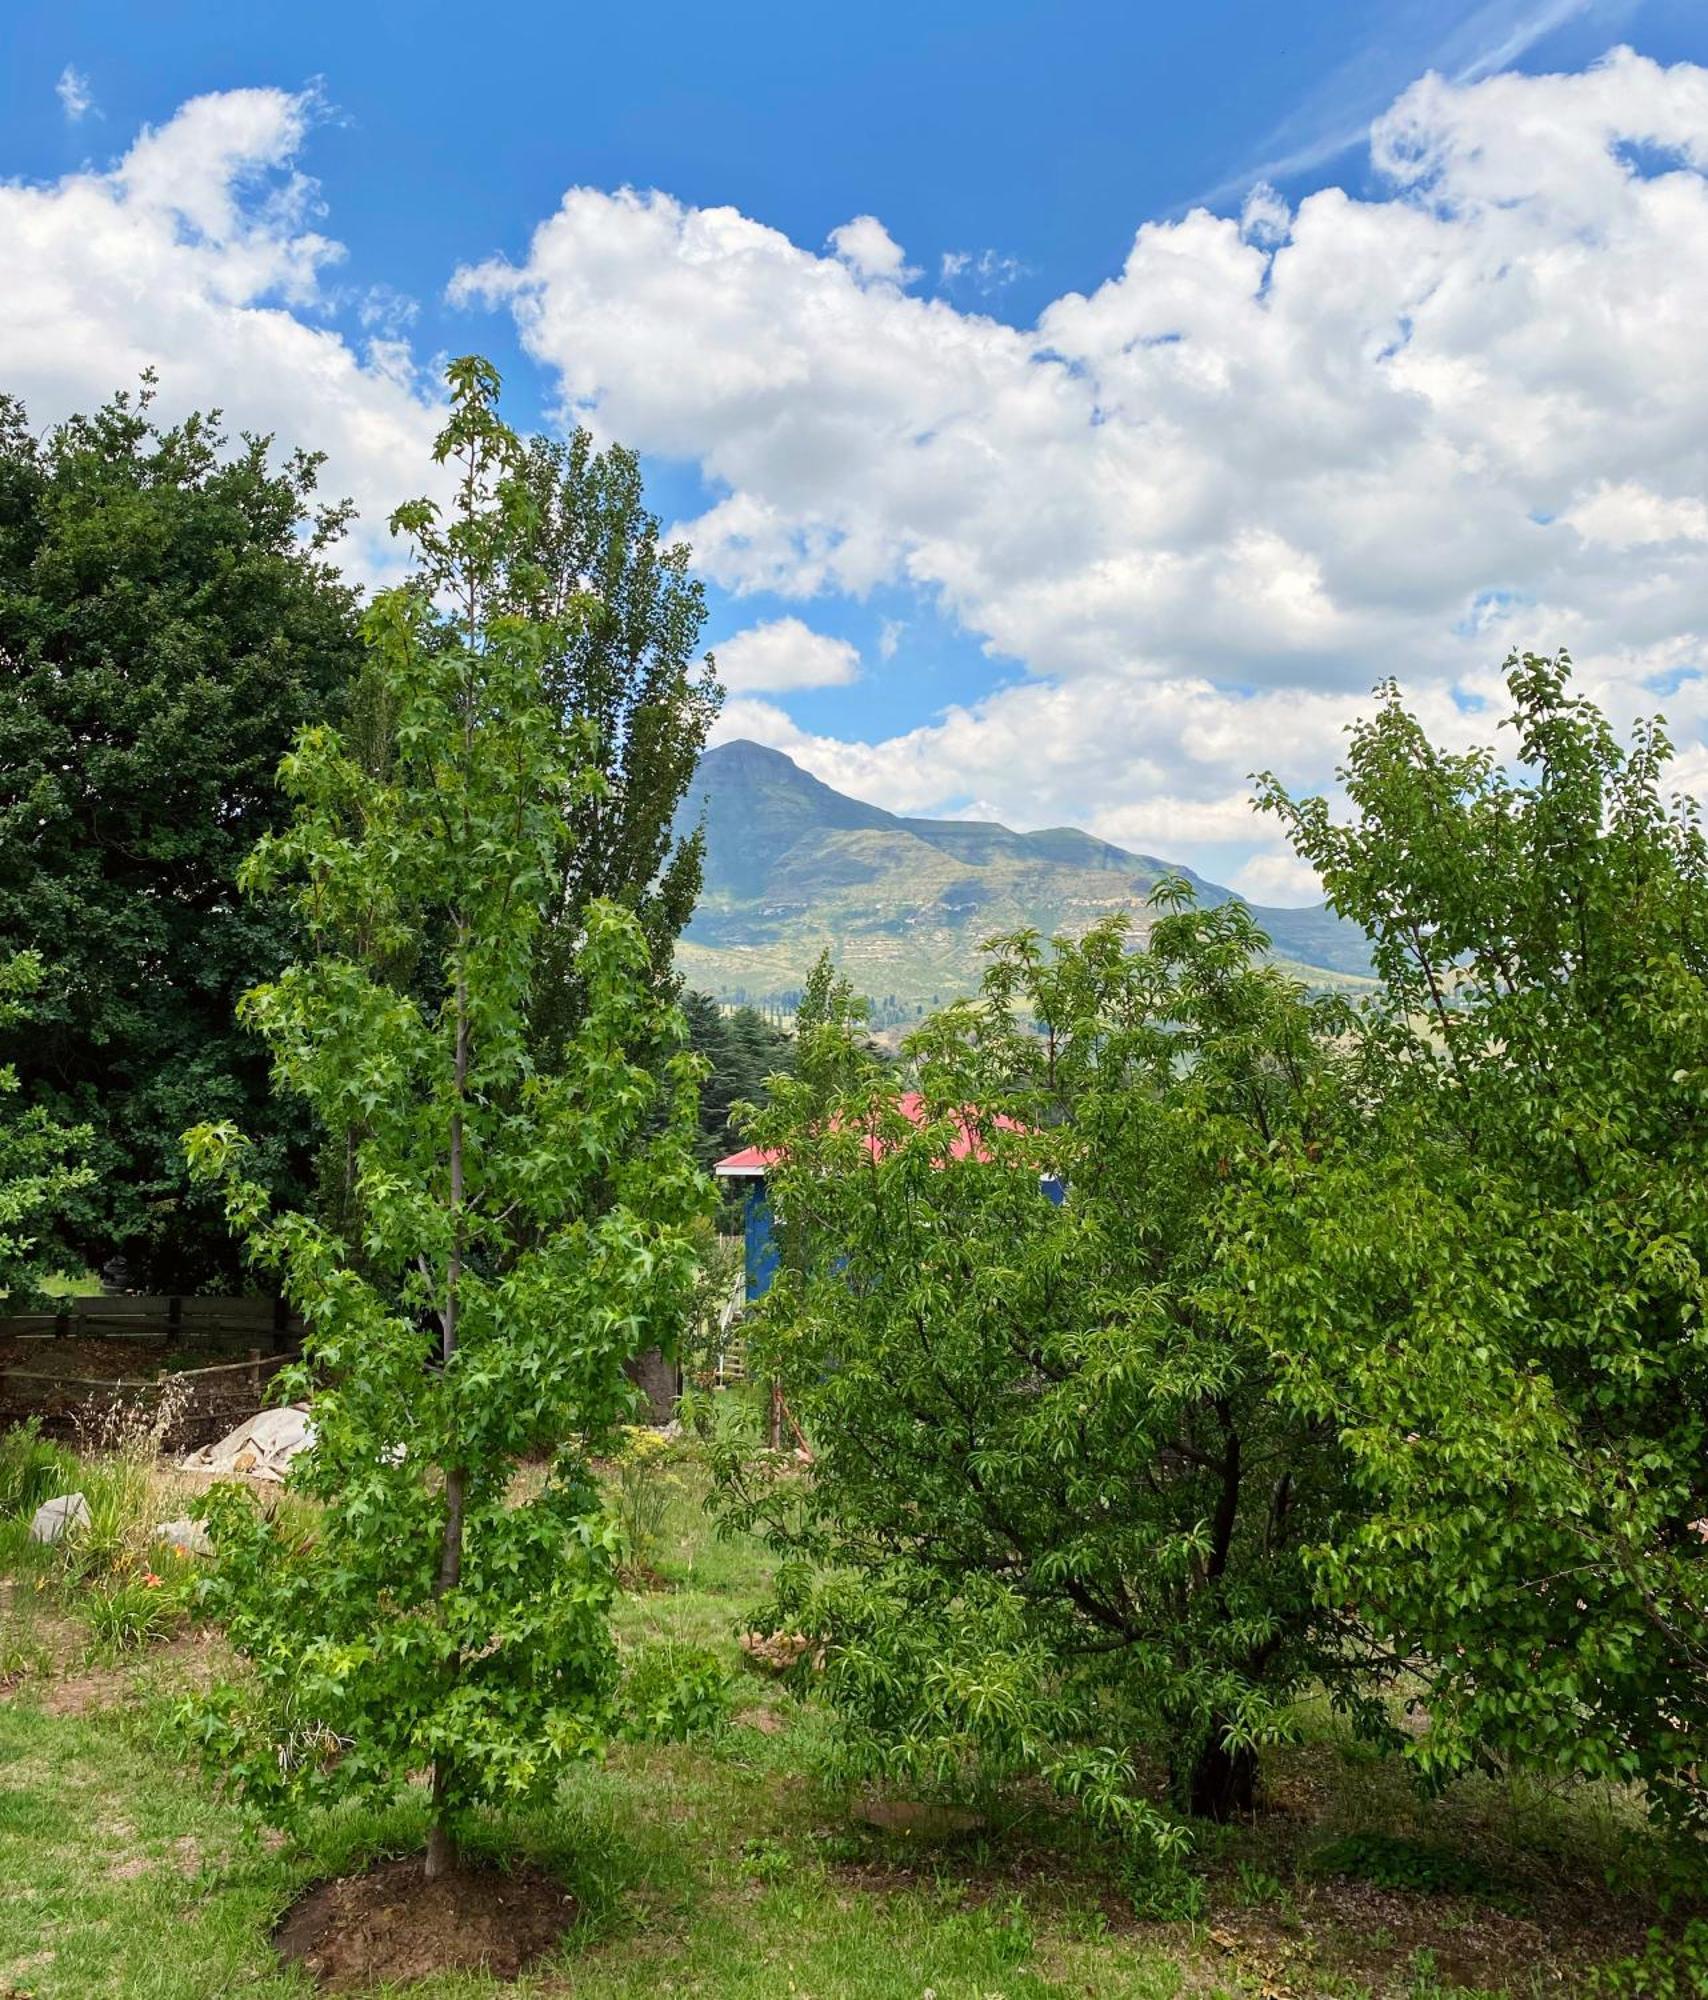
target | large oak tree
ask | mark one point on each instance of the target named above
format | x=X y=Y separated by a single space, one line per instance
x=168 y=622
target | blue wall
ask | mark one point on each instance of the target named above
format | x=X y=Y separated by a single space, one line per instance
x=760 y=1240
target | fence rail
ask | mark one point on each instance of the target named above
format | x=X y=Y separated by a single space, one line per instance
x=206 y=1361
x=181 y=1321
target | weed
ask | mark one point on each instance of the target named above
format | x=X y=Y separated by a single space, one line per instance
x=1665 y=1969
x=673 y=1691
x=648 y=1468
x=1165 y=1891
x=1390 y=1861
x=134 y=1612
x=766 y=1860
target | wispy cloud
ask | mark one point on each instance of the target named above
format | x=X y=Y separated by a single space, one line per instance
x=74 y=93
x=1458 y=42
x=986 y=271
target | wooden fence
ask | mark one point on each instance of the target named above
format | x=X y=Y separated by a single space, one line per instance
x=207 y=1360
x=180 y=1322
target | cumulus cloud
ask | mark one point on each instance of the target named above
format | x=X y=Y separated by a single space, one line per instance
x=870 y=252
x=75 y=97
x=196 y=254
x=782 y=654
x=1269 y=461
x=1191 y=514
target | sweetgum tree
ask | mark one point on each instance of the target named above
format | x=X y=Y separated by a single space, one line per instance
x=1501 y=1306
x=1058 y=1514
x=514 y=1232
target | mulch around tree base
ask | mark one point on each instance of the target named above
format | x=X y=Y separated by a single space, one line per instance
x=390 y=1923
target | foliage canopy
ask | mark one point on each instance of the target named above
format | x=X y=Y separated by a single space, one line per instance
x=1505 y=1316
x=1057 y=1509
x=167 y=623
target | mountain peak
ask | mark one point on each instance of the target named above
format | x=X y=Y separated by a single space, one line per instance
x=793 y=867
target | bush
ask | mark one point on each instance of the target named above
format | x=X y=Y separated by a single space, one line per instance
x=673 y=1690
x=648 y=1468
x=133 y=1612
x=1058 y=1503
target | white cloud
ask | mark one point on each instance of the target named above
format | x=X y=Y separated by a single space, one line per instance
x=1407 y=38
x=194 y=254
x=1265 y=218
x=1191 y=514
x=870 y=252
x=1269 y=461
x=783 y=654
x=74 y=94
x=987 y=271
x=1628 y=516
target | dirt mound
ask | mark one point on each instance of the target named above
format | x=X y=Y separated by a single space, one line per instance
x=391 y=1924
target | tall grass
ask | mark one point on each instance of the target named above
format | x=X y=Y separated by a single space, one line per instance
x=32 y=1469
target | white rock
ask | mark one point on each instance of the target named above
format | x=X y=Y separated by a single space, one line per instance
x=188 y=1535
x=54 y=1519
x=263 y=1447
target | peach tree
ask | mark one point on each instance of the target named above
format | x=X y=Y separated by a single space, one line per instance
x=1504 y=1319
x=1058 y=1512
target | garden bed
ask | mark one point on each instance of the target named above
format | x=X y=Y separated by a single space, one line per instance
x=73 y=1384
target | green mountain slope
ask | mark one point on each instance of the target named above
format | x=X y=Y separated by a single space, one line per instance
x=904 y=904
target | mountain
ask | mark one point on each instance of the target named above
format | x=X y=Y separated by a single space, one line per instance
x=904 y=904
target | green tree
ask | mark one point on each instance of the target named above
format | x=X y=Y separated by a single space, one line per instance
x=41 y=1166
x=516 y=1232
x=741 y=1051
x=167 y=623
x=1503 y=1317
x=1057 y=1509
x=623 y=674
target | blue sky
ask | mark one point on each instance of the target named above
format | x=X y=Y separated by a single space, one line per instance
x=973 y=591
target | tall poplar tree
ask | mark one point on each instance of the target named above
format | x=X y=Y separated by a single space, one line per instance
x=624 y=672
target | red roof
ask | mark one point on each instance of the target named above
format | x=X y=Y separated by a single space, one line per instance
x=754 y=1160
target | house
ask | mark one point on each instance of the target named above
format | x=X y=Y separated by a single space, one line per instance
x=752 y=1164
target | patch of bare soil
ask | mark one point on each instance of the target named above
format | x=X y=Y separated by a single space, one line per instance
x=923 y=1817
x=1370 y=1937
x=83 y=1694
x=391 y=1924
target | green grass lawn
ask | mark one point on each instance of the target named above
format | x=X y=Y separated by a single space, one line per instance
x=727 y=1868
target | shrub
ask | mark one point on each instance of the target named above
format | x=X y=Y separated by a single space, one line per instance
x=647 y=1470
x=133 y=1612
x=1057 y=1506
x=1665 y=1969
x=673 y=1690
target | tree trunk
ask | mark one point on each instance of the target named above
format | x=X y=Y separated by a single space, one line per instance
x=1223 y=1780
x=441 y=1850
x=441 y=1853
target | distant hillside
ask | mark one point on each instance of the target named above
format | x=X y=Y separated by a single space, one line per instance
x=903 y=904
